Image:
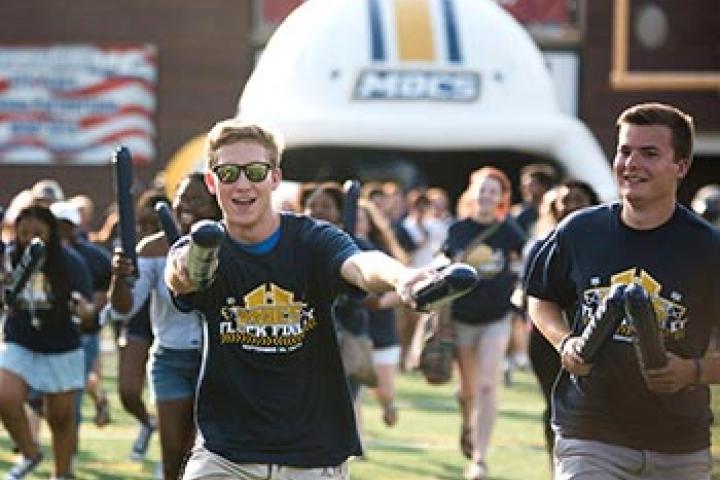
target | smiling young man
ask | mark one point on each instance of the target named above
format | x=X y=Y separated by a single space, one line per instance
x=272 y=400
x=614 y=419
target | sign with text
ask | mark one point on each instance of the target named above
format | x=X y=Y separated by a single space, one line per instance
x=74 y=104
x=451 y=86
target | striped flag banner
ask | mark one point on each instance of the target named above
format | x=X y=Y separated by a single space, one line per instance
x=74 y=104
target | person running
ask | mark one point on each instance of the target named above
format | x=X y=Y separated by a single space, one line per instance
x=557 y=203
x=481 y=319
x=374 y=229
x=176 y=351
x=614 y=418
x=272 y=400
x=42 y=347
x=135 y=336
x=97 y=260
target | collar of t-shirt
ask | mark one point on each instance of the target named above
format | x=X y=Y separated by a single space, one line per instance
x=263 y=247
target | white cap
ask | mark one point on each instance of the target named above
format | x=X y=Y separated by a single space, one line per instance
x=66 y=211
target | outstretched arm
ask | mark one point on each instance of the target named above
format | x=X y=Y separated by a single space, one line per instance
x=376 y=272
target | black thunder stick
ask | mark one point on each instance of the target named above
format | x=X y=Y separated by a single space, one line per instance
x=167 y=222
x=602 y=325
x=30 y=262
x=122 y=162
x=447 y=284
x=202 y=261
x=640 y=312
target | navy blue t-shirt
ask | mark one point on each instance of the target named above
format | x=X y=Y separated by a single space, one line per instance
x=272 y=387
x=54 y=330
x=381 y=322
x=98 y=262
x=490 y=299
x=677 y=263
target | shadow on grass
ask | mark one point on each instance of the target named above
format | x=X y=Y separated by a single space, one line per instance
x=88 y=464
x=448 y=471
x=520 y=415
x=432 y=402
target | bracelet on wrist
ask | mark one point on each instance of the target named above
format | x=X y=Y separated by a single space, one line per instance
x=564 y=340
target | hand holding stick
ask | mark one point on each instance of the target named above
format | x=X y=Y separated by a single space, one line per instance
x=447 y=284
x=640 y=312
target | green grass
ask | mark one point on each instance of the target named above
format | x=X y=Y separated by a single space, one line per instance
x=423 y=445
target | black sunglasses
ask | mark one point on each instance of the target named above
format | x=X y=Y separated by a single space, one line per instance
x=255 y=172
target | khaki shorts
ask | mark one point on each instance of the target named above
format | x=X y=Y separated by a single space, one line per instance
x=469 y=335
x=205 y=465
x=578 y=459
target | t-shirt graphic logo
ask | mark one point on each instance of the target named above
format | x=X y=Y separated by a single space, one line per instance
x=271 y=321
x=671 y=315
x=487 y=262
x=37 y=294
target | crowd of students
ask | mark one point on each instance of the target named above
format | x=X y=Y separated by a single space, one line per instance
x=50 y=352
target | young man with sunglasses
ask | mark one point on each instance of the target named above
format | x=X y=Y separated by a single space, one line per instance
x=621 y=417
x=272 y=400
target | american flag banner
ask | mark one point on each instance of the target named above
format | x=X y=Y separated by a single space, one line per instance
x=74 y=104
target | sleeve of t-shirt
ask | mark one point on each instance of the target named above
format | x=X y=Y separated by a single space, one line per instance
x=80 y=278
x=331 y=247
x=450 y=246
x=530 y=256
x=548 y=275
x=104 y=271
x=517 y=235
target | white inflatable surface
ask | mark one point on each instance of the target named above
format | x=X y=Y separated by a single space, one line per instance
x=416 y=74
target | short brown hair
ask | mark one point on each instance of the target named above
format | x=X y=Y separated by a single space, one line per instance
x=682 y=128
x=234 y=130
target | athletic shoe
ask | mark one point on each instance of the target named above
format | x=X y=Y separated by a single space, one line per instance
x=23 y=467
x=142 y=442
x=390 y=414
x=475 y=471
x=102 y=412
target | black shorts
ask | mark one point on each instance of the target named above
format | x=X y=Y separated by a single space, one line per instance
x=138 y=327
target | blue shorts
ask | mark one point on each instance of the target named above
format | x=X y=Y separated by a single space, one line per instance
x=45 y=372
x=174 y=373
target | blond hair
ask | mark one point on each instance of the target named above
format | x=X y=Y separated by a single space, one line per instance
x=234 y=130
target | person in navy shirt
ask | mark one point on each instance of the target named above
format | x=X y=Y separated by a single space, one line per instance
x=614 y=419
x=272 y=399
x=42 y=347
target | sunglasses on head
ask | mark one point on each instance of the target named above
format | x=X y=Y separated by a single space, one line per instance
x=229 y=172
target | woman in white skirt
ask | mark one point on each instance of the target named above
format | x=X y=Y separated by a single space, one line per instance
x=42 y=347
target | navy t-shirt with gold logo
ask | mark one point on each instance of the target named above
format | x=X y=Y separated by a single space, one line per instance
x=677 y=263
x=272 y=387
x=490 y=299
x=41 y=320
